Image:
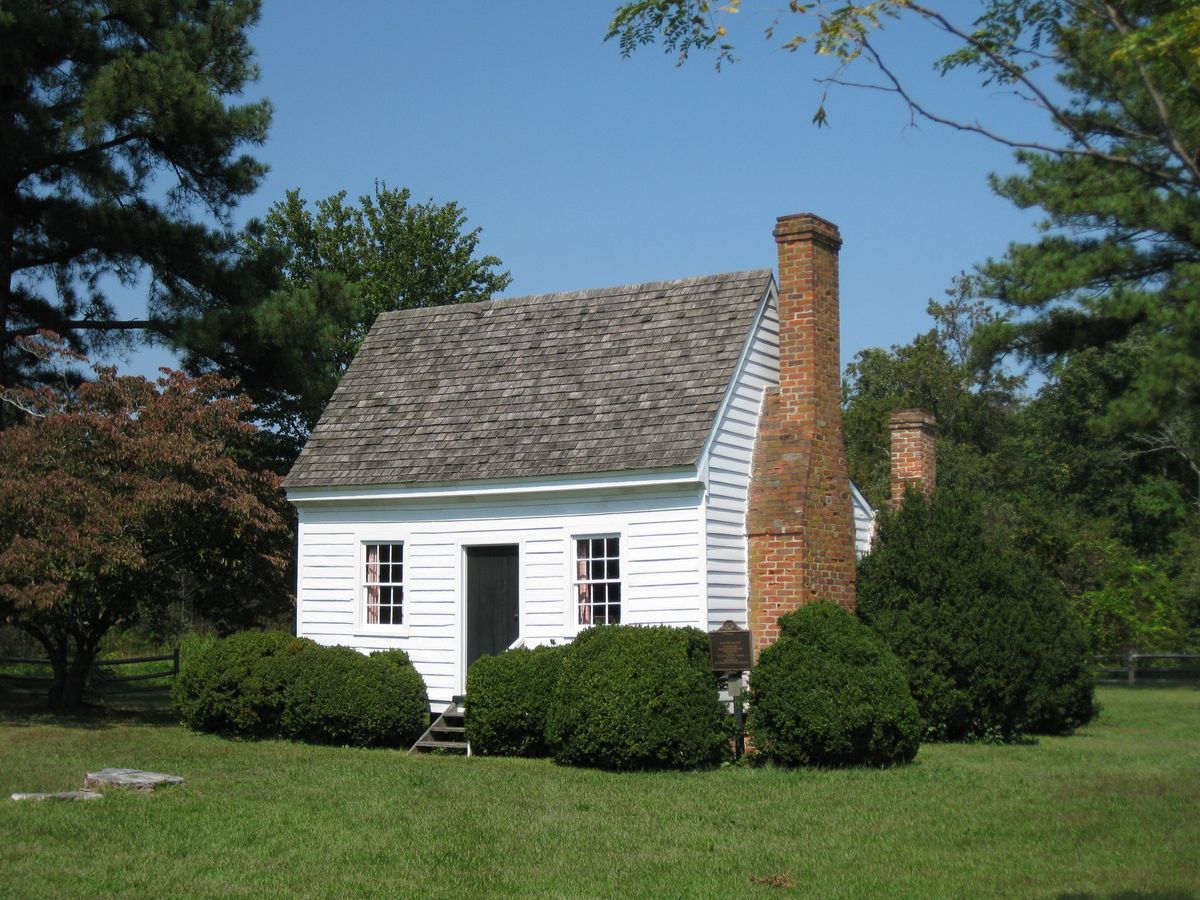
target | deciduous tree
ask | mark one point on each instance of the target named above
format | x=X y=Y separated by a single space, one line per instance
x=119 y=494
x=323 y=274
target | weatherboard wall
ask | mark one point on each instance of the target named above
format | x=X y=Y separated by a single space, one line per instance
x=662 y=537
x=727 y=469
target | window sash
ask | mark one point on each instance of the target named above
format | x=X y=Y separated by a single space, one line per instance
x=383 y=583
x=597 y=580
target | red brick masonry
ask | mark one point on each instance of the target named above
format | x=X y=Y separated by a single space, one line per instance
x=800 y=522
x=914 y=461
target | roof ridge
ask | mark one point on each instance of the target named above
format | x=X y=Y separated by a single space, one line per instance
x=612 y=291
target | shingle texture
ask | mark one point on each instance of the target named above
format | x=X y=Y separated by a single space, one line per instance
x=606 y=380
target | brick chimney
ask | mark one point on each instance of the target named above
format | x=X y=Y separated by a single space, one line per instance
x=799 y=520
x=914 y=457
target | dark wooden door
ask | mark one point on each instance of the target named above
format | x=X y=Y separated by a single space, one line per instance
x=493 y=612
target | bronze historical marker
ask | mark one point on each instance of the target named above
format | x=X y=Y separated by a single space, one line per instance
x=729 y=649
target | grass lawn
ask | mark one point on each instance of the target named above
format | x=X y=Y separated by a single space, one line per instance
x=1114 y=810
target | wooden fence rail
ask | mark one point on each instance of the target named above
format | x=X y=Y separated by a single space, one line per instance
x=102 y=682
x=1147 y=668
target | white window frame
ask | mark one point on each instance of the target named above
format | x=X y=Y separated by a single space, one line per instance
x=576 y=582
x=363 y=587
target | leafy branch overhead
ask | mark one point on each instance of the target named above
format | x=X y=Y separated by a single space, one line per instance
x=1119 y=82
x=1020 y=44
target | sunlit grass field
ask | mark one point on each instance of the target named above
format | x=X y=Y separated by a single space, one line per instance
x=1114 y=810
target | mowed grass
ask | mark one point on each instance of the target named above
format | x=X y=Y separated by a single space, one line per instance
x=1114 y=810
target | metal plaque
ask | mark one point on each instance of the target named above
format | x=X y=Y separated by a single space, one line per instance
x=730 y=649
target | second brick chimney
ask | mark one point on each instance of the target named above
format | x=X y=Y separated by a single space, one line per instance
x=799 y=521
x=914 y=459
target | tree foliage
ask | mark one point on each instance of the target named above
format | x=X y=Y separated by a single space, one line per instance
x=1110 y=511
x=1119 y=82
x=989 y=645
x=316 y=279
x=119 y=495
x=115 y=126
x=973 y=405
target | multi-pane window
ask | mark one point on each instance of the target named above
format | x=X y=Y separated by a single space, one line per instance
x=383 y=583
x=598 y=580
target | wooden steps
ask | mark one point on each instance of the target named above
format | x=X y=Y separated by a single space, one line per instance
x=448 y=733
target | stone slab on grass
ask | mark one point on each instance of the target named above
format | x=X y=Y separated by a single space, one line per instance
x=130 y=779
x=59 y=795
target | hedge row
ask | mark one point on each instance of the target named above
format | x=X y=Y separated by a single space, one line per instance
x=618 y=697
x=269 y=684
x=621 y=697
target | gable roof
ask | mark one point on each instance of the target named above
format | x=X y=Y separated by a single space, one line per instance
x=607 y=380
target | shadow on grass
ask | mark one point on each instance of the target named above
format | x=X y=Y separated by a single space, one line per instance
x=35 y=711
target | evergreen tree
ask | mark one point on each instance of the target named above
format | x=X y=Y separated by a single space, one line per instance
x=115 y=127
x=989 y=644
x=1121 y=256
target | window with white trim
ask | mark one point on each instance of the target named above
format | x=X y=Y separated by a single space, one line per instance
x=598 y=580
x=383 y=584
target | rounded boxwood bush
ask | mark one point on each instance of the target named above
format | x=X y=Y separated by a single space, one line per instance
x=637 y=698
x=234 y=685
x=830 y=693
x=336 y=695
x=990 y=647
x=508 y=696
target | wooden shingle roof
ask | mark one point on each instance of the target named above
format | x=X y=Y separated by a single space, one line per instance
x=608 y=380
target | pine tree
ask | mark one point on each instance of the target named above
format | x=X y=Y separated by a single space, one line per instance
x=120 y=155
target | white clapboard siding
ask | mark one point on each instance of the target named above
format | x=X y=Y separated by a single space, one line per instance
x=661 y=531
x=728 y=464
x=864 y=522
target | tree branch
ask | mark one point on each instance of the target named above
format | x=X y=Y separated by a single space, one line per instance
x=69 y=156
x=1189 y=161
x=156 y=325
x=1088 y=151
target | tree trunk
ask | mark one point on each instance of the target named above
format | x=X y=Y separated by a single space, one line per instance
x=66 y=694
x=70 y=673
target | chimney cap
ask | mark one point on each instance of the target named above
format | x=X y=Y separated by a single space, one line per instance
x=807 y=226
x=912 y=418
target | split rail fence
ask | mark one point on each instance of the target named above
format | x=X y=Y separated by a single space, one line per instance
x=105 y=681
x=1147 y=668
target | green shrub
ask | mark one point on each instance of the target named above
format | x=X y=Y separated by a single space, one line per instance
x=986 y=637
x=232 y=686
x=1063 y=694
x=508 y=696
x=830 y=693
x=336 y=695
x=637 y=698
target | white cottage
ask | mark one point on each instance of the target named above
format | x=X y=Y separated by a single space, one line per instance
x=513 y=471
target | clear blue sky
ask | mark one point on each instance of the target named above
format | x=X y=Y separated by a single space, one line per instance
x=584 y=169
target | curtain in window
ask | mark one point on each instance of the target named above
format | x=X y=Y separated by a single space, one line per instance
x=585 y=590
x=372 y=584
